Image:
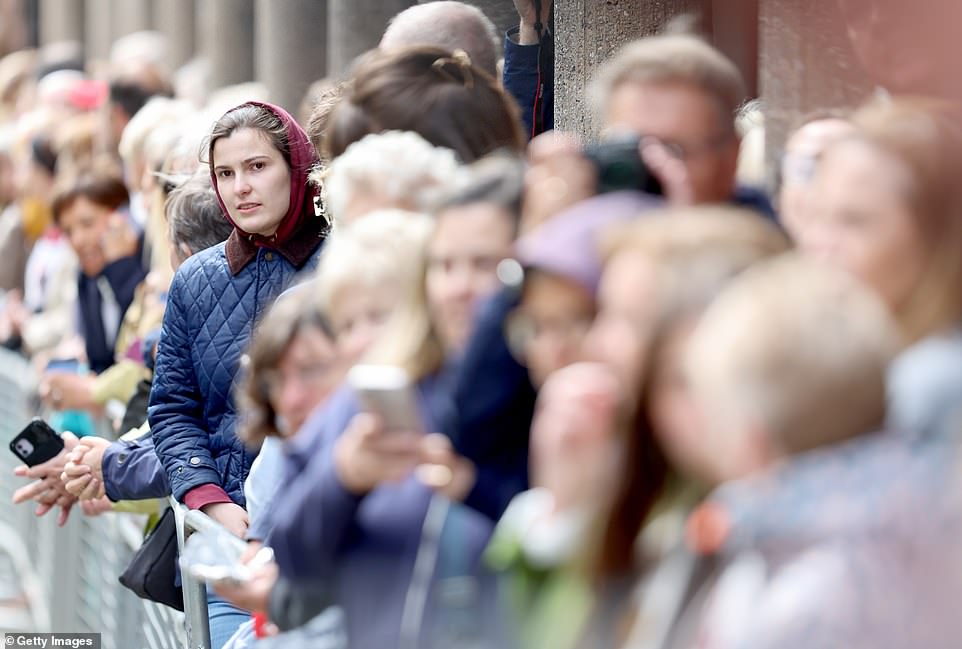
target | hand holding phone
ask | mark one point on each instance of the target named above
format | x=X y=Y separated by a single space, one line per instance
x=386 y=443
x=36 y=443
x=620 y=166
x=387 y=391
x=367 y=456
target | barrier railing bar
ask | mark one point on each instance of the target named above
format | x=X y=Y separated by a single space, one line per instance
x=195 y=592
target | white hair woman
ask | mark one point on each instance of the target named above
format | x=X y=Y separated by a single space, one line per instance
x=394 y=169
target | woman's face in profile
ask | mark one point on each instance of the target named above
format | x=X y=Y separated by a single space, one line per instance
x=862 y=223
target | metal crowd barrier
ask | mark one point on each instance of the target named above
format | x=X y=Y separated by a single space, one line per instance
x=67 y=577
x=195 y=592
x=23 y=604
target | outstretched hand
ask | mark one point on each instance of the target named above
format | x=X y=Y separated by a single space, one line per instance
x=559 y=176
x=119 y=239
x=573 y=434
x=67 y=391
x=670 y=171
x=366 y=455
x=254 y=593
x=443 y=469
x=47 y=488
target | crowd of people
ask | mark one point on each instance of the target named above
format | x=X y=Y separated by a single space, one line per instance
x=656 y=406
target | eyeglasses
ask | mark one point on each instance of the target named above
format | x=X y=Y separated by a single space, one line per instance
x=688 y=151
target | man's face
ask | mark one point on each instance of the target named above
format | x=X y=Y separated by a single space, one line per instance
x=688 y=121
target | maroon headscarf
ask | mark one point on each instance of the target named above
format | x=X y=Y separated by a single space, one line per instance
x=301 y=230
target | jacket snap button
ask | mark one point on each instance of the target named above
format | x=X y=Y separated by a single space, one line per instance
x=269 y=256
x=121 y=458
x=195 y=461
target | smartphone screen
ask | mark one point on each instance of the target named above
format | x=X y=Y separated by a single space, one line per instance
x=71 y=365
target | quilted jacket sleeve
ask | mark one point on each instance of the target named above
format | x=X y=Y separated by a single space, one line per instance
x=175 y=413
x=132 y=472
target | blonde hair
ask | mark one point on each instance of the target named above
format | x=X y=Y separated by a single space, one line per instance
x=157 y=112
x=798 y=348
x=399 y=165
x=385 y=247
x=75 y=143
x=672 y=58
x=696 y=249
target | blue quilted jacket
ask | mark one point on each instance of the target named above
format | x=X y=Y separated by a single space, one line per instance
x=207 y=326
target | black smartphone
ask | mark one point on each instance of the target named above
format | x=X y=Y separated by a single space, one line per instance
x=620 y=167
x=36 y=443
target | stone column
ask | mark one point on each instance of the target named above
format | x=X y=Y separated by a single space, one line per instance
x=14 y=30
x=290 y=47
x=225 y=36
x=356 y=26
x=131 y=16
x=175 y=19
x=61 y=20
x=587 y=33
x=99 y=32
x=806 y=62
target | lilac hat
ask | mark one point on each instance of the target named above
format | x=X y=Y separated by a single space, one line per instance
x=567 y=245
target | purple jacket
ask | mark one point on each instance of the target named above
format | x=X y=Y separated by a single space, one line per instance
x=363 y=548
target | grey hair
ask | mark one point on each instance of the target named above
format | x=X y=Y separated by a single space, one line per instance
x=194 y=215
x=672 y=58
x=496 y=179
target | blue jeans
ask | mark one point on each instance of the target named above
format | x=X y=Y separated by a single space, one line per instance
x=224 y=619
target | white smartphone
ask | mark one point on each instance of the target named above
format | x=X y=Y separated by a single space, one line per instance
x=388 y=392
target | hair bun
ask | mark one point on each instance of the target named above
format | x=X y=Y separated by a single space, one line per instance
x=460 y=61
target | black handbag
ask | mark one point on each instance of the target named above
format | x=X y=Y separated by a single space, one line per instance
x=152 y=573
